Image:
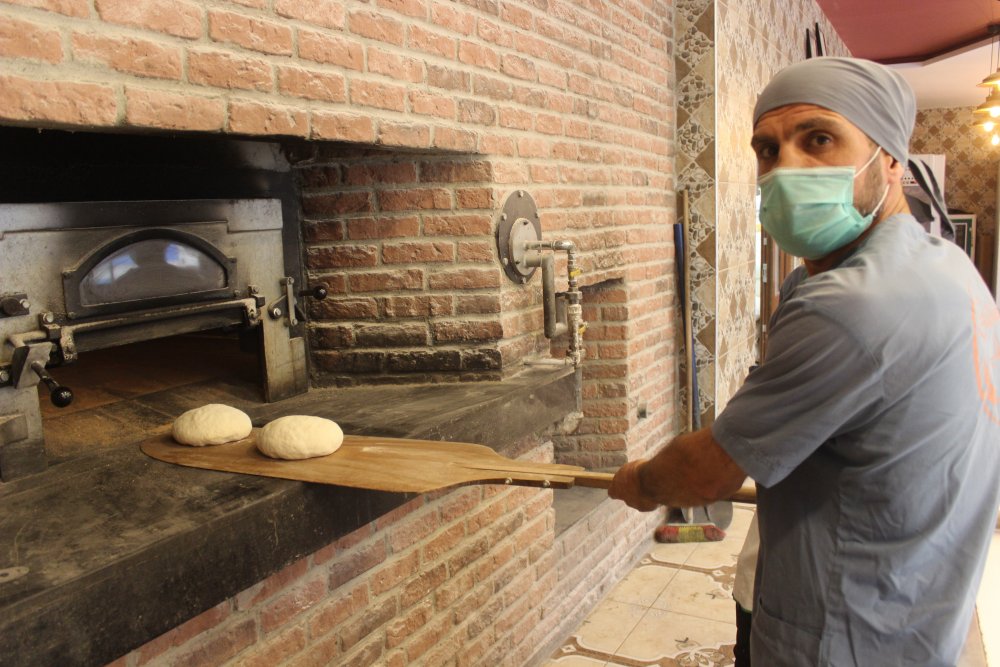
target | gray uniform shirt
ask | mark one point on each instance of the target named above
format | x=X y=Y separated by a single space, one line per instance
x=873 y=431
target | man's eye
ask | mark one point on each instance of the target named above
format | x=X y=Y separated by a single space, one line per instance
x=821 y=139
x=767 y=152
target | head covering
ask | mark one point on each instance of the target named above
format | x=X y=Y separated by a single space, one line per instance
x=877 y=100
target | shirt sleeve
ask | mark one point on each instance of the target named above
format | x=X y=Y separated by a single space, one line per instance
x=817 y=381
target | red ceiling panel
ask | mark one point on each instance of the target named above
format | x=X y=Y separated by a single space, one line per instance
x=894 y=31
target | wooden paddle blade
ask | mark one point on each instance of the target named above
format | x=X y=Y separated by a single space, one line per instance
x=380 y=464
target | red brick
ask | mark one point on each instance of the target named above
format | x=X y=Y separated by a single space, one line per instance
x=250 y=33
x=326 y=13
x=276 y=649
x=439 y=545
x=453 y=19
x=478 y=55
x=454 y=171
x=337 y=203
x=374 y=25
x=394 y=573
x=416 y=306
x=381 y=173
x=174 y=17
x=133 y=56
x=23 y=39
x=433 y=43
x=341 y=256
x=458 y=225
x=466 y=331
x=403 y=627
x=391 y=335
x=60 y=102
x=318 y=653
x=342 y=127
x=383 y=228
x=218 y=647
x=399 y=67
x=477 y=304
x=423 y=585
x=386 y=281
x=336 y=609
x=367 y=621
x=494 y=144
x=248 y=117
x=411 y=253
x=518 y=16
x=182 y=633
x=415 y=199
x=517 y=119
x=424 y=640
x=366 y=654
x=290 y=605
x=331 y=338
x=449 y=138
x=330 y=49
x=412 y=8
x=223 y=69
x=465 y=279
x=379 y=95
x=548 y=124
x=173 y=111
x=263 y=590
x=518 y=67
x=410 y=135
x=476 y=251
x=340 y=308
x=78 y=8
x=312 y=84
x=429 y=104
x=448 y=78
x=474 y=111
x=354 y=563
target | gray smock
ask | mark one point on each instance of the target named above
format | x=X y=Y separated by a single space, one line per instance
x=873 y=431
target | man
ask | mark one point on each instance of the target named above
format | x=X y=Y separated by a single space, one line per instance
x=872 y=428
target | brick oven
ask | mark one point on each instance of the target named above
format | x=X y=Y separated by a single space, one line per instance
x=333 y=185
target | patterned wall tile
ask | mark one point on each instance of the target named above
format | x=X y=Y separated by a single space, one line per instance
x=971 y=164
x=754 y=41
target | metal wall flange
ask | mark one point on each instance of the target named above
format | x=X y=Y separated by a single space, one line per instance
x=518 y=223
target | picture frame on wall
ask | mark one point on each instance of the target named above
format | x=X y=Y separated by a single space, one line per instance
x=965 y=232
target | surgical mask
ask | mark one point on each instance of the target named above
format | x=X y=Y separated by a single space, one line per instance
x=809 y=212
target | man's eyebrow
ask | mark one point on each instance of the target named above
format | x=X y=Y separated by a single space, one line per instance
x=805 y=126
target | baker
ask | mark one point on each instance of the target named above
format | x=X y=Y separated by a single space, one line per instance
x=872 y=427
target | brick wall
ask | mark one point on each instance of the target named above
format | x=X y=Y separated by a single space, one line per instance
x=475 y=576
x=408 y=123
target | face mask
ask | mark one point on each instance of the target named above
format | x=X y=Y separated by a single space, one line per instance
x=810 y=212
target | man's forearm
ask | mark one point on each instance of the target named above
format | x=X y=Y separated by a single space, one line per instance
x=691 y=470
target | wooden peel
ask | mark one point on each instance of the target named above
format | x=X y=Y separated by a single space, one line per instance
x=381 y=464
x=388 y=464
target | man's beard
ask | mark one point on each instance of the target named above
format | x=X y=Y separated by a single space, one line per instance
x=872 y=189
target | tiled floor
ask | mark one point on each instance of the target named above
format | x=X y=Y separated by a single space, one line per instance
x=676 y=609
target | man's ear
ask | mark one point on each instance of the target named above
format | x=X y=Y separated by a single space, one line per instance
x=896 y=170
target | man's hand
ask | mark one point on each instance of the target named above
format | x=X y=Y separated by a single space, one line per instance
x=627 y=486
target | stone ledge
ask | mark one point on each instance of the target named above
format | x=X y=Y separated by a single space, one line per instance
x=120 y=548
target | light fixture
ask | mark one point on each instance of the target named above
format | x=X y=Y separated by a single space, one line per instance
x=987 y=115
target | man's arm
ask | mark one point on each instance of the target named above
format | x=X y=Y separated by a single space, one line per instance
x=691 y=470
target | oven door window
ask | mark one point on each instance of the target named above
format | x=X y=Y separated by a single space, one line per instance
x=150 y=269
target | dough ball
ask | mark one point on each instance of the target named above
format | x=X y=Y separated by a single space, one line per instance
x=211 y=424
x=299 y=437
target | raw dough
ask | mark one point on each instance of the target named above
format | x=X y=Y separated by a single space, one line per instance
x=211 y=424
x=299 y=437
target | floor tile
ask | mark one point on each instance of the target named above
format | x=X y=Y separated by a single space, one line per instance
x=685 y=639
x=699 y=594
x=643 y=584
x=608 y=625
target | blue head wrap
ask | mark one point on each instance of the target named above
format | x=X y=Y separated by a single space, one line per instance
x=874 y=98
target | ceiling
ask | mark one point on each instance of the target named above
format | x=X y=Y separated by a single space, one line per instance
x=942 y=47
